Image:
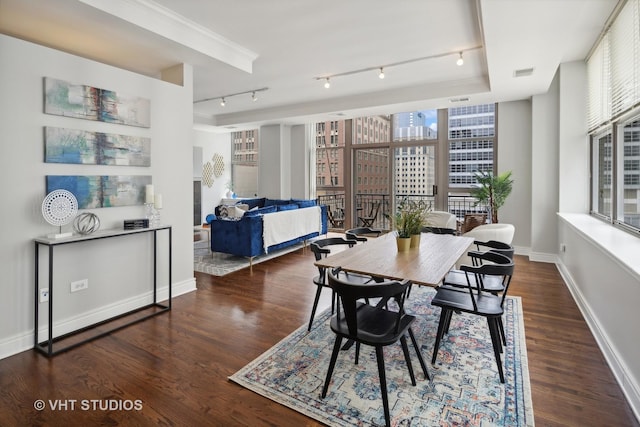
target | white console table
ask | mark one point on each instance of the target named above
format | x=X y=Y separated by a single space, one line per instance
x=154 y=308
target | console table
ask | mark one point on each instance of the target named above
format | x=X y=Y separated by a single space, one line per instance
x=155 y=308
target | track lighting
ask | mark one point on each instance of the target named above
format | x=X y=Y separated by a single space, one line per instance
x=380 y=68
x=223 y=98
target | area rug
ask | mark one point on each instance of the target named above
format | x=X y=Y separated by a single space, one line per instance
x=219 y=264
x=464 y=389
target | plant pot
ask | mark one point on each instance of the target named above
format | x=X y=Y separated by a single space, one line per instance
x=415 y=240
x=403 y=243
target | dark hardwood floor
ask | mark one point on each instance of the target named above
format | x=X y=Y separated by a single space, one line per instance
x=177 y=364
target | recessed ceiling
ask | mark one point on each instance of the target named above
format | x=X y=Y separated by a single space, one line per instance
x=284 y=45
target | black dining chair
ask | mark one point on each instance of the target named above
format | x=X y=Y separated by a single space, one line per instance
x=372 y=325
x=360 y=233
x=491 y=284
x=439 y=230
x=475 y=302
x=322 y=248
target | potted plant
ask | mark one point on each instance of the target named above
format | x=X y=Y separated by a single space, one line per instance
x=492 y=191
x=407 y=222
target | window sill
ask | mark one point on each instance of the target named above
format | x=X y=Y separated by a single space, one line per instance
x=620 y=245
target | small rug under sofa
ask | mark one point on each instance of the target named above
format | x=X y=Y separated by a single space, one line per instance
x=220 y=264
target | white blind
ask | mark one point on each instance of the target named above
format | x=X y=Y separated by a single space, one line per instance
x=614 y=68
x=625 y=59
x=599 y=110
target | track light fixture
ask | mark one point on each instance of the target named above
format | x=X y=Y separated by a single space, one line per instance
x=381 y=68
x=223 y=98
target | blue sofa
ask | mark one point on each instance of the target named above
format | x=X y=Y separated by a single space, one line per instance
x=243 y=237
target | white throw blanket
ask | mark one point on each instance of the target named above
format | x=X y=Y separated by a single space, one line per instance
x=279 y=227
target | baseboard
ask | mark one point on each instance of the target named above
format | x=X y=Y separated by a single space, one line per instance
x=629 y=387
x=23 y=342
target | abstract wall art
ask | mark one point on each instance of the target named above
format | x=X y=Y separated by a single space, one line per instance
x=86 y=102
x=101 y=191
x=95 y=148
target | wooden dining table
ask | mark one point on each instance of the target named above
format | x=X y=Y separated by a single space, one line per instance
x=423 y=265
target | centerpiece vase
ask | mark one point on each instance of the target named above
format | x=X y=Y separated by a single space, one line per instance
x=403 y=243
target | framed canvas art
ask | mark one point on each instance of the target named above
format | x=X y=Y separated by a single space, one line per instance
x=95 y=148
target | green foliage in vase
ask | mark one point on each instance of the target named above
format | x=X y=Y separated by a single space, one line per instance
x=410 y=217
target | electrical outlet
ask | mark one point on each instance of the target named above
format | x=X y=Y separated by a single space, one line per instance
x=44 y=294
x=79 y=285
x=563 y=247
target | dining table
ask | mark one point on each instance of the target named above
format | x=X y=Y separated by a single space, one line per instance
x=425 y=264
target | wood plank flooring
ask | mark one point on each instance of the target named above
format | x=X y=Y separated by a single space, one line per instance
x=177 y=364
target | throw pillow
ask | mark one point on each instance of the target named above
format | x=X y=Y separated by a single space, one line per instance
x=303 y=203
x=288 y=207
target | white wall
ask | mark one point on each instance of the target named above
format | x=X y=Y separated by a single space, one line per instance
x=108 y=264
x=211 y=144
x=299 y=163
x=514 y=148
x=600 y=263
x=545 y=172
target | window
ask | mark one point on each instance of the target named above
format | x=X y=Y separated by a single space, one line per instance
x=614 y=120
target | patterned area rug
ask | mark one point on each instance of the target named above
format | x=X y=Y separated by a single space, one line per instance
x=219 y=264
x=464 y=390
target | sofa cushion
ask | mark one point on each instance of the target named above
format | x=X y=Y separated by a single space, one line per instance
x=276 y=202
x=288 y=207
x=304 y=203
x=261 y=211
x=258 y=202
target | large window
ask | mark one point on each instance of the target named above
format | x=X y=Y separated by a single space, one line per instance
x=614 y=121
x=244 y=163
x=380 y=160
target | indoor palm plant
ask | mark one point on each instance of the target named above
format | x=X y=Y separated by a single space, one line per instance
x=492 y=190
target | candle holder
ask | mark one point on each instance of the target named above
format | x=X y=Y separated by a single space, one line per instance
x=155 y=221
x=149 y=212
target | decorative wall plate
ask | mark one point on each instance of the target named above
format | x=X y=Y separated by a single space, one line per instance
x=218 y=165
x=207 y=174
x=59 y=207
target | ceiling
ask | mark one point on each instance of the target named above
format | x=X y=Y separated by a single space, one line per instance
x=285 y=45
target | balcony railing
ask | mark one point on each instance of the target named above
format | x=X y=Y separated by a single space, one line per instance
x=366 y=206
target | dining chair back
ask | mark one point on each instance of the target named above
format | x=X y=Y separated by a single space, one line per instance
x=359 y=234
x=372 y=325
x=321 y=248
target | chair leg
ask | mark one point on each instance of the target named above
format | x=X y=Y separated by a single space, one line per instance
x=357 y=352
x=420 y=358
x=448 y=321
x=495 y=340
x=315 y=306
x=332 y=364
x=383 y=385
x=407 y=358
x=440 y=333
